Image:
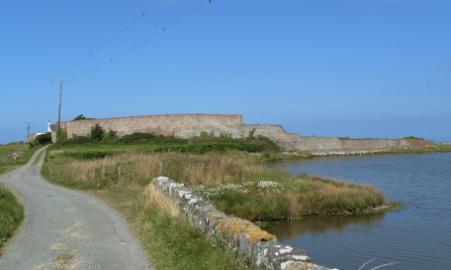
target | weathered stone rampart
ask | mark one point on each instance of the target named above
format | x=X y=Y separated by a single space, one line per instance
x=246 y=239
x=191 y=125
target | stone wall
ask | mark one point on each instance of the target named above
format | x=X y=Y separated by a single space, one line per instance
x=180 y=125
x=191 y=125
x=246 y=239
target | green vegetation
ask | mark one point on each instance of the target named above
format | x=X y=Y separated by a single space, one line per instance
x=435 y=148
x=150 y=143
x=41 y=140
x=11 y=215
x=11 y=212
x=22 y=152
x=81 y=117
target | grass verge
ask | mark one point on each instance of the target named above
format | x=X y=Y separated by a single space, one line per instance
x=23 y=151
x=11 y=215
x=11 y=211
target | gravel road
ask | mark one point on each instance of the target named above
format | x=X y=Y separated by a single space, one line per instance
x=65 y=229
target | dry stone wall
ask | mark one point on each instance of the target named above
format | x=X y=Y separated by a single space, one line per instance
x=258 y=247
x=191 y=125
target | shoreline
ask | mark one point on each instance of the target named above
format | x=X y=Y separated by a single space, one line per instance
x=287 y=156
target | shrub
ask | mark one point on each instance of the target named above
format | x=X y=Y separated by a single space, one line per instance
x=138 y=137
x=61 y=135
x=150 y=138
x=97 y=133
x=111 y=135
x=252 y=133
x=80 y=117
x=204 y=134
x=79 y=140
x=88 y=155
x=43 y=139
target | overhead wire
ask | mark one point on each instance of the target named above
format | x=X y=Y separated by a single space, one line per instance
x=113 y=38
x=159 y=30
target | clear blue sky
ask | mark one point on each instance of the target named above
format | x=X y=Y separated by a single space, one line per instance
x=360 y=68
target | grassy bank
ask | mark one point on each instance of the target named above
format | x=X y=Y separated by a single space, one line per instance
x=11 y=211
x=23 y=152
x=435 y=148
x=11 y=215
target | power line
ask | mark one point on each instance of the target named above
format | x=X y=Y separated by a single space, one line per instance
x=113 y=38
x=161 y=29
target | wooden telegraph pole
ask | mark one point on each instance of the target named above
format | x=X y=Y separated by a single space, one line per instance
x=60 y=102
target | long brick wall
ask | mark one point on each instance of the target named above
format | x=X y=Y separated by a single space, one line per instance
x=191 y=125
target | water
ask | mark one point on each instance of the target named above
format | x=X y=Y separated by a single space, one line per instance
x=417 y=236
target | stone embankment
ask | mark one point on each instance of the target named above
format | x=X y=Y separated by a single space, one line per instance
x=258 y=247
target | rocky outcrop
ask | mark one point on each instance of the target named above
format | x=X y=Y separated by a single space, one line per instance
x=257 y=246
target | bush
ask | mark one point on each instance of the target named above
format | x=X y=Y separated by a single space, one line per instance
x=79 y=140
x=80 y=117
x=43 y=139
x=61 y=135
x=149 y=138
x=88 y=155
x=111 y=135
x=97 y=133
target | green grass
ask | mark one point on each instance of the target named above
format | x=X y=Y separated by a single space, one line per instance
x=23 y=150
x=435 y=148
x=11 y=215
x=11 y=211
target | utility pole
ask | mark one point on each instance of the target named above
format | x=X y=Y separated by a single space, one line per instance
x=28 y=128
x=60 y=103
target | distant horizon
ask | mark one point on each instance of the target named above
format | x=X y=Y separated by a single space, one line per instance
x=373 y=69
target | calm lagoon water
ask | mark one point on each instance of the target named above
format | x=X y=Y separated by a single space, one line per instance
x=418 y=236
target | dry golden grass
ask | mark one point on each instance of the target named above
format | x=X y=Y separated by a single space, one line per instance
x=211 y=170
x=156 y=199
x=289 y=198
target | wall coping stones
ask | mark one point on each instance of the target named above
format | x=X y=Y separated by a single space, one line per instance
x=257 y=246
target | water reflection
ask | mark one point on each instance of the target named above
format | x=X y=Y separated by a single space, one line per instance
x=290 y=230
x=418 y=236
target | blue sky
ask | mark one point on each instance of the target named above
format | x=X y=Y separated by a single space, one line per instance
x=360 y=68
